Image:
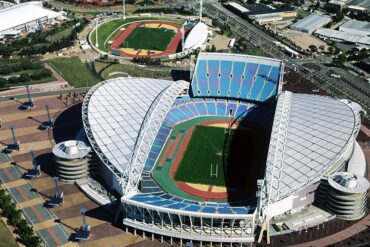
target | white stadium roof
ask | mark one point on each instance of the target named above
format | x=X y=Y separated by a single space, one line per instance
x=23 y=13
x=310 y=133
x=116 y=115
x=197 y=37
x=309 y=137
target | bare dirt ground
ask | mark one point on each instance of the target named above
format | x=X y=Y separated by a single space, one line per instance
x=304 y=40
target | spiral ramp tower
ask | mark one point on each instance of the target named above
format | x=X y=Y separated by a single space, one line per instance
x=347 y=195
x=71 y=158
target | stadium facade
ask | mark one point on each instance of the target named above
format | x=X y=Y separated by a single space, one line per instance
x=127 y=122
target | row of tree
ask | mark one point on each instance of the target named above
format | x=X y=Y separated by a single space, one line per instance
x=24 y=231
x=146 y=60
x=40 y=43
x=10 y=66
x=25 y=77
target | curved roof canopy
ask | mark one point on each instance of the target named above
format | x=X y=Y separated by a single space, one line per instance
x=197 y=36
x=309 y=137
x=116 y=111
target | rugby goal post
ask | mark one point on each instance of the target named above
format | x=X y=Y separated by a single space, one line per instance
x=214 y=172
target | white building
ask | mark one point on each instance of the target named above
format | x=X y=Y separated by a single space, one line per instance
x=311 y=23
x=25 y=17
x=356 y=27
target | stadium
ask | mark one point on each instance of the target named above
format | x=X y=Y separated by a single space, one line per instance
x=208 y=161
x=150 y=38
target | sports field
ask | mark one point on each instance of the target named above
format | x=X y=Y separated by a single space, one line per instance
x=204 y=158
x=148 y=39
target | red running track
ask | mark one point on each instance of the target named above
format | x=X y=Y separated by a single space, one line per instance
x=171 y=48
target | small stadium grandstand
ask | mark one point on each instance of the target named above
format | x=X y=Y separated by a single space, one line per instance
x=209 y=160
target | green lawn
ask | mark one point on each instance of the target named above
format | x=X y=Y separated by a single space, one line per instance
x=204 y=157
x=73 y=71
x=110 y=28
x=253 y=52
x=60 y=35
x=6 y=238
x=109 y=71
x=148 y=38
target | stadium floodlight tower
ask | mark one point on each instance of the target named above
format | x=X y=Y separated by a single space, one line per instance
x=28 y=104
x=96 y=33
x=124 y=9
x=183 y=35
x=35 y=171
x=84 y=232
x=200 y=10
x=16 y=143
x=49 y=123
x=58 y=199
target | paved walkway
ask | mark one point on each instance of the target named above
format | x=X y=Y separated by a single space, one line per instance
x=57 y=225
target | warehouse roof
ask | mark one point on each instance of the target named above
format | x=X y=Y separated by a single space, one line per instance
x=311 y=22
x=23 y=13
x=344 y=36
x=362 y=26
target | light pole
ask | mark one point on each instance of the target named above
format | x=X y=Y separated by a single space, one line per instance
x=96 y=33
x=124 y=9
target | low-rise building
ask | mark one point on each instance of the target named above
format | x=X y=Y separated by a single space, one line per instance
x=25 y=17
x=311 y=23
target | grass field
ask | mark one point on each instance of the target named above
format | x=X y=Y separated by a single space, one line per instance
x=6 y=238
x=110 y=70
x=203 y=160
x=73 y=71
x=148 y=38
x=110 y=28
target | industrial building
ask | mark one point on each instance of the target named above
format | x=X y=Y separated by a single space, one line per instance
x=359 y=5
x=262 y=13
x=311 y=23
x=340 y=36
x=361 y=28
x=27 y=16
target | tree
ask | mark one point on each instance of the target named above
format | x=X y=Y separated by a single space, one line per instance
x=332 y=49
x=313 y=48
x=213 y=48
x=3 y=82
x=322 y=48
x=342 y=58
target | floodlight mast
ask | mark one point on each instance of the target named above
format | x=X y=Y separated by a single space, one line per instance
x=200 y=10
x=13 y=134
x=96 y=33
x=83 y=212
x=124 y=9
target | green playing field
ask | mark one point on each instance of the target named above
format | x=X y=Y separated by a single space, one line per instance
x=203 y=161
x=148 y=38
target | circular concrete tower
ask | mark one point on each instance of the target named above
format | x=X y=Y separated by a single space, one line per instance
x=347 y=195
x=71 y=160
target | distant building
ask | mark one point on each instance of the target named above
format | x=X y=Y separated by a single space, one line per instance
x=359 y=5
x=364 y=64
x=340 y=36
x=356 y=27
x=25 y=17
x=311 y=23
x=262 y=13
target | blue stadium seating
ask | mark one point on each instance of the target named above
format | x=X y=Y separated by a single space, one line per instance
x=235 y=79
x=165 y=200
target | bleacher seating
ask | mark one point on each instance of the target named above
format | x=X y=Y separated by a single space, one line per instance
x=255 y=80
x=164 y=199
x=187 y=109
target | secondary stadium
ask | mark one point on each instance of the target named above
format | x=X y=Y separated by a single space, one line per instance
x=149 y=38
x=209 y=160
